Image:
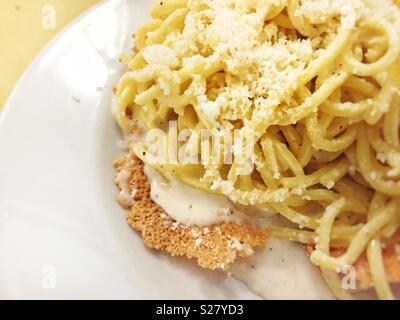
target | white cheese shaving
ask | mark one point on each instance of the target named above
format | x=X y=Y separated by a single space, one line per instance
x=160 y=54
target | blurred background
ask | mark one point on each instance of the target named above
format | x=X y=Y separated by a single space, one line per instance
x=26 y=26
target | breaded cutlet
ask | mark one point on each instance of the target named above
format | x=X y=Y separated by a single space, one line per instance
x=214 y=247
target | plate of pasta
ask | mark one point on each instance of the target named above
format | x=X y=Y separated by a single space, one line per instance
x=252 y=147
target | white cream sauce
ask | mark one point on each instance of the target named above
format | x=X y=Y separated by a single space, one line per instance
x=188 y=205
x=282 y=270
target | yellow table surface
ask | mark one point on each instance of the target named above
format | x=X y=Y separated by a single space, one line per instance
x=22 y=34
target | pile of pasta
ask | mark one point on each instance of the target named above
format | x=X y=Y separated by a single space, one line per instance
x=317 y=81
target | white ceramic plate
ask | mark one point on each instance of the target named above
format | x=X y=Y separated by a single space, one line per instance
x=62 y=235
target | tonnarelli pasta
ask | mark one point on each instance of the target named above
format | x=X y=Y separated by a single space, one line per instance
x=317 y=81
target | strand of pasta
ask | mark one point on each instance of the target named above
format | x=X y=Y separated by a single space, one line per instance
x=370 y=171
x=376 y=265
x=335 y=284
x=374 y=253
x=362 y=69
x=359 y=242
